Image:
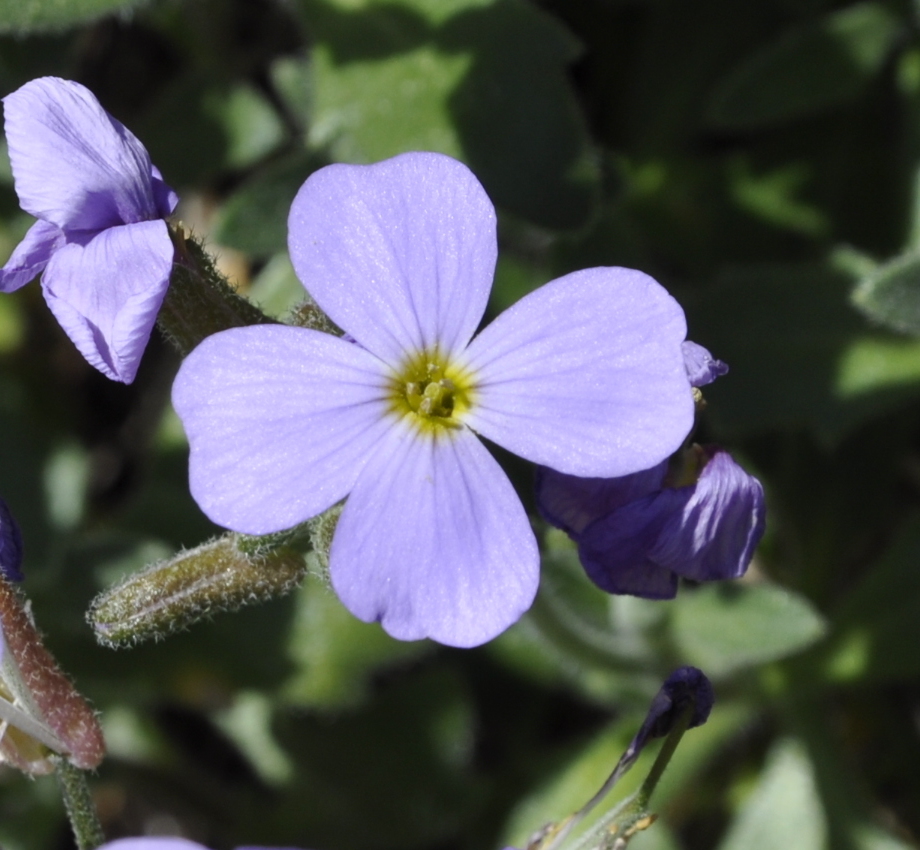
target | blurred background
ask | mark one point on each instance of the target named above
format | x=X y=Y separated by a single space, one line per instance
x=762 y=160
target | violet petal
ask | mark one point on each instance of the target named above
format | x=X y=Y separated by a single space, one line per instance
x=107 y=292
x=10 y=545
x=572 y=503
x=30 y=256
x=585 y=375
x=714 y=525
x=280 y=421
x=702 y=367
x=73 y=164
x=433 y=542
x=399 y=254
x=614 y=550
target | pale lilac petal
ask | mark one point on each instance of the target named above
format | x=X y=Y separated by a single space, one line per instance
x=152 y=843
x=713 y=525
x=280 y=421
x=585 y=375
x=614 y=550
x=433 y=542
x=572 y=503
x=107 y=292
x=399 y=254
x=702 y=367
x=165 y=199
x=30 y=256
x=73 y=164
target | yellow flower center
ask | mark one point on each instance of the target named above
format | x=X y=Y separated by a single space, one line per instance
x=431 y=392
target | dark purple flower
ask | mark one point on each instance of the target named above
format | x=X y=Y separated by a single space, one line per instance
x=636 y=534
x=585 y=374
x=702 y=367
x=10 y=545
x=100 y=242
x=697 y=515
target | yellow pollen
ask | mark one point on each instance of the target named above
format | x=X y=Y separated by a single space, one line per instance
x=431 y=392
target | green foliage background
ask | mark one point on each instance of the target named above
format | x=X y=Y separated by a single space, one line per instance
x=762 y=160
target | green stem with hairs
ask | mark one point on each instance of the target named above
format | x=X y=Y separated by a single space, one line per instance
x=78 y=801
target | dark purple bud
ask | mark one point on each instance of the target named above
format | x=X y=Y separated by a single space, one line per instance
x=686 y=687
x=10 y=545
x=702 y=367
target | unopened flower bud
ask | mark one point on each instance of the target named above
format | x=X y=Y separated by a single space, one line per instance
x=41 y=711
x=220 y=575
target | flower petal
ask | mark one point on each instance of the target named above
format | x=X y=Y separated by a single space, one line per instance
x=280 y=421
x=152 y=843
x=106 y=293
x=702 y=367
x=30 y=256
x=73 y=164
x=585 y=375
x=164 y=197
x=714 y=525
x=572 y=503
x=400 y=254
x=10 y=547
x=614 y=550
x=433 y=542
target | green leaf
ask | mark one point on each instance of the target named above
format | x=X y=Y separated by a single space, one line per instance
x=784 y=809
x=877 y=626
x=811 y=68
x=890 y=294
x=485 y=82
x=800 y=355
x=254 y=218
x=28 y=16
x=336 y=654
x=252 y=127
x=727 y=627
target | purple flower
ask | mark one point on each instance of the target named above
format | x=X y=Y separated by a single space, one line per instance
x=100 y=242
x=168 y=843
x=585 y=374
x=702 y=367
x=697 y=515
x=10 y=545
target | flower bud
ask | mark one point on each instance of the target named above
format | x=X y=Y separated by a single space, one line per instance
x=221 y=575
x=42 y=712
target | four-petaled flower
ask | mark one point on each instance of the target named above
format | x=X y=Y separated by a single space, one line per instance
x=100 y=242
x=585 y=375
x=167 y=843
x=698 y=515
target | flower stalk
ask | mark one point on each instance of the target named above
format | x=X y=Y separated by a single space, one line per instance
x=78 y=802
x=200 y=301
x=221 y=575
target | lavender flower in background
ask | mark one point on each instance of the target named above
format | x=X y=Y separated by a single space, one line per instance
x=698 y=515
x=10 y=545
x=168 y=843
x=100 y=242
x=585 y=374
